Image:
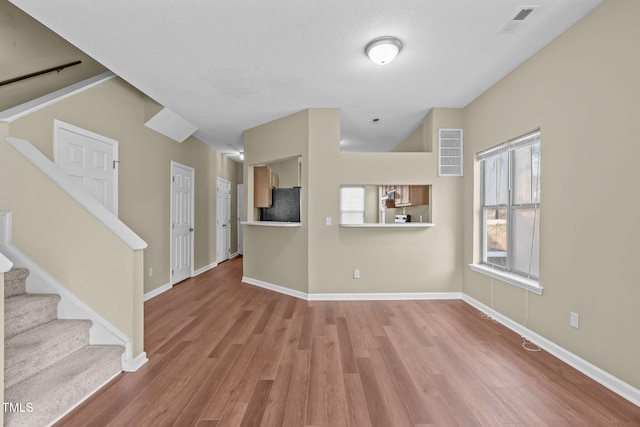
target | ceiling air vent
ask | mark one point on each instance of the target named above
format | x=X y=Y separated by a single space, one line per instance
x=514 y=23
x=522 y=15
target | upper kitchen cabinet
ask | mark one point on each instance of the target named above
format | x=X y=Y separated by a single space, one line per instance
x=398 y=196
x=264 y=180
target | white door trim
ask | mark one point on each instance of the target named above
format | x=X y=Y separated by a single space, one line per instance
x=191 y=218
x=240 y=217
x=223 y=231
x=59 y=125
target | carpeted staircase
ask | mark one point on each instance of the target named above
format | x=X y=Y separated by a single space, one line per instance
x=49 y=366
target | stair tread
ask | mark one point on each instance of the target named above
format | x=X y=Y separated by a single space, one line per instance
x=15 y=282
x=21 y=346
x=64 y=384
x=27 y=311
x=13 y=303
x=16 y=273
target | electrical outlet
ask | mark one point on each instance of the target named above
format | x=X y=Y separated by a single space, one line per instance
x=574 y=320
x=356 y=274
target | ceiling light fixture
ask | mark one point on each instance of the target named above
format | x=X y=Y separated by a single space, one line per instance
x=383 y=49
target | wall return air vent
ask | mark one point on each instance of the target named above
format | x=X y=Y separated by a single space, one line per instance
x=514 y=23
x=450 y=152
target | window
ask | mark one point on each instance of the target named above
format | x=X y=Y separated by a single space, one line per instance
x=510 y=198
x=352 y=205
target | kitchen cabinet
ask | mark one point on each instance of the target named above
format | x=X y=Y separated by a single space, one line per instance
x=264 y=180
x=411 y=195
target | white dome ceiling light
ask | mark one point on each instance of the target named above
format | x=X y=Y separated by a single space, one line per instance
x=383 y=49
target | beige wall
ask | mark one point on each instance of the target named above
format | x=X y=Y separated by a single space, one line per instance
x=391 y=261
x=277 y=255
x=583 y=92
x=287 y=171
x=33 y=47
x=60 y=235
x=118 y=111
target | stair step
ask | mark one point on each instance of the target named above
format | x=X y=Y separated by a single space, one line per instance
x=26 y=311
x=33 y=350
x=61 y=386
x=14 y=281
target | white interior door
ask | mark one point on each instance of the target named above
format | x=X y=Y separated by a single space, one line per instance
x=241 y=215
x=182 y=196
x=223 y=220
x=91 y=160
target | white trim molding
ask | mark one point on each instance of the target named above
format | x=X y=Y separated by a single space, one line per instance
x=157 y=291
x=12 y=114
x=204 y=269
x=276 y=288
x=70 y=306
x=5 y=227
x=5 y=264
x=522 y=282
x=614 y=384
x=398 y=296
x=384 y=296
x=609 y=381
x=135 y=363
x=92 y=205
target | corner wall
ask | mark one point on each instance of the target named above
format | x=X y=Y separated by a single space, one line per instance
x=582 y=91
x=277 y=255
x=319 y=259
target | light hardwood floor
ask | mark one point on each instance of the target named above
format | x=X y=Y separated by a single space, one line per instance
x=224 y=353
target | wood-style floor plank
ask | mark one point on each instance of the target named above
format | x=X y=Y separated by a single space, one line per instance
x=224 y=353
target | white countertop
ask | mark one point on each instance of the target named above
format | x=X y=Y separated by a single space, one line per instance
x=271 y=223
x=390 y=225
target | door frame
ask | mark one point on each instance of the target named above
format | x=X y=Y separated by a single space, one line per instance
x=191 y=217
x=228 y=184
x=59 y=125
x=240 y=217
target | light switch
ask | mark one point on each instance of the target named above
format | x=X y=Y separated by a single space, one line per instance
x=328 y=220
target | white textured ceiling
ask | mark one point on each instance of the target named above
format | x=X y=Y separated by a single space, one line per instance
x=227 y=66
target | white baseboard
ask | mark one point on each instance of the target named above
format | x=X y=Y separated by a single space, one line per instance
x=233 y=255
x=156 y=291
x=353 y=296
x=400 y=296
x=276 y=288
x=135 y=363
x=614 y=384
x=70 y=306
x=204 y=269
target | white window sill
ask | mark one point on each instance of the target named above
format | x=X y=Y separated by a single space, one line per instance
x=530 y=285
